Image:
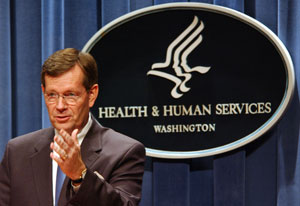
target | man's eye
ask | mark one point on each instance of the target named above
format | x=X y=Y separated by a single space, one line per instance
x=52 y=95
x=70 y=94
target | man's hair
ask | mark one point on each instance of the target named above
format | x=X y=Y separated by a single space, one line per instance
x=63 y=60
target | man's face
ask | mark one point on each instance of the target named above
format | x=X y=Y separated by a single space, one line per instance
x=69 y=116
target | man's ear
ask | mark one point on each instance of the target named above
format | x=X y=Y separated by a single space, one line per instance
x=43 y=88
x=93 y=94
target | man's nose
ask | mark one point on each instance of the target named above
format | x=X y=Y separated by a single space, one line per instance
x=61 y=103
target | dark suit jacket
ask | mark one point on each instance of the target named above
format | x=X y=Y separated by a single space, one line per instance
x=26 y=170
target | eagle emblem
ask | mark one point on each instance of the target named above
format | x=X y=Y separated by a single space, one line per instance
x=176 y=59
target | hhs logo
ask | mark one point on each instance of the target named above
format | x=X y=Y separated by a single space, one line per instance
x=176 y=58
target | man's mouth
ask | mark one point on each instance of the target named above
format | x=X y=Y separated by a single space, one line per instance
x=62 y=119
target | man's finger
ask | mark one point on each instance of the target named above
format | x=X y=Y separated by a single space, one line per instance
x=60 y=153
x=61 y=143
x=74 y=136
x=56 y=158
x=66 y=137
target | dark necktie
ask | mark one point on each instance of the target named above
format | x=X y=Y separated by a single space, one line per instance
x=60 y=177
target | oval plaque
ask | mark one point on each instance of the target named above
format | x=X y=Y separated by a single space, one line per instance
x=190 y=79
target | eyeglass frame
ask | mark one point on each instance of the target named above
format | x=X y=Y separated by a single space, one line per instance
x=65 y=97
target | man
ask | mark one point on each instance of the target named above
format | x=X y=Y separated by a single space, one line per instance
x=101 y=166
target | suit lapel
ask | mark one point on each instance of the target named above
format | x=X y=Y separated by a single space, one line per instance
x=92 y=144
x=42 y=168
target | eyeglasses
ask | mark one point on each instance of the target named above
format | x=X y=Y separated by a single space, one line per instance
x=70 y=98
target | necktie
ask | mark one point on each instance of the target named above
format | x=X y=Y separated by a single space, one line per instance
x=60 y=177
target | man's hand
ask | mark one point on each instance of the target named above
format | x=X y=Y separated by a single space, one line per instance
x=69 y=154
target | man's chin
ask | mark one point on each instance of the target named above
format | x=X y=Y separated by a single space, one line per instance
x=66 y=127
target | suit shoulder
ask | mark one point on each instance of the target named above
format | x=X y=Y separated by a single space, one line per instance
x=30 y=138
x=109 y=135
x=120 y=143
x=120 y=147
x=27 y=144
x=112 y=135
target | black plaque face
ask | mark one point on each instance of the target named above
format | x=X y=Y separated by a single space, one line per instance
x=190 y=80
